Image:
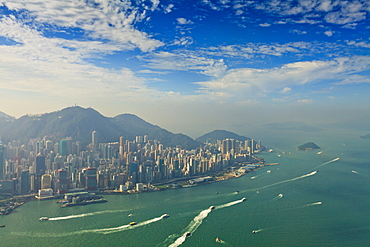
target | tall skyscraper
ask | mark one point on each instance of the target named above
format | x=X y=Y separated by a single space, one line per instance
x=40 y=165
x=94 y=141
x=25 y=183
x=2 y=161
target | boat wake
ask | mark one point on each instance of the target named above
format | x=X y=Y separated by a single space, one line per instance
x=285 y=181
x=257 y=231
x=330 y=161
x=192 y=227
x=126 y=227
x=311 y=204
x=85 y=215
x=278 y=197
x=360 y=174
x=196 y=222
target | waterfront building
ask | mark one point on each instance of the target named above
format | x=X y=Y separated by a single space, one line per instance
x=24 y=182
x=90 y=178
x=46 y=181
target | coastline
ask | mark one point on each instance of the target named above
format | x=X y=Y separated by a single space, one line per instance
x=184 y=182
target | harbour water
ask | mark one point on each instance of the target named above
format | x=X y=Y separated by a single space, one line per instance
x=290 y=204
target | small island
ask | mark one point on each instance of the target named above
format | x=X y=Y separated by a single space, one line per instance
x=365 y=136
x=307 y=146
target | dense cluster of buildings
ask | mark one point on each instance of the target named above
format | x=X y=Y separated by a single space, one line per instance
x=45 y=167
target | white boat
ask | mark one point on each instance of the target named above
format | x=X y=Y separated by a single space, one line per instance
x=44 y=218
x=165 y=216
x=244 y=199
x=130 y=215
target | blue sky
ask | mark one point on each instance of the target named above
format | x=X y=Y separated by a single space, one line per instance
x=188 y=66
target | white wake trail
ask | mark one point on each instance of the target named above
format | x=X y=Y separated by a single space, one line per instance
x=197 y=221
x=84 y=215
x=330 y=161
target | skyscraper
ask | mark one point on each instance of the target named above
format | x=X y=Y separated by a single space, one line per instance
x=40 y=165
x=94 y=140
x=2 y=160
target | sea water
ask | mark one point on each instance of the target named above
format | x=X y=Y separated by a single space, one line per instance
x=290 y=204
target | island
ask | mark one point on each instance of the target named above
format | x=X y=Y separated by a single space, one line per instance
x=307 y=146
x=365 y=136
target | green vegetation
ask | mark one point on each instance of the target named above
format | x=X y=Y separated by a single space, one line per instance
x=220 y=135
x=307 y=146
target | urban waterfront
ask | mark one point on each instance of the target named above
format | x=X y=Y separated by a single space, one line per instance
x=287 y=205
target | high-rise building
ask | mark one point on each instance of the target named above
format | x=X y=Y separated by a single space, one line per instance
x=2 y=161
x=25 y=183
x=91 y=182
x=62 y=181
x=40 y=165
x=46 y=181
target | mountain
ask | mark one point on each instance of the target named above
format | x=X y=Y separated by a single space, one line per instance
x=134 y=126
x=5 y=119
x=220 y=135
x=78 y=123
x=307 y=146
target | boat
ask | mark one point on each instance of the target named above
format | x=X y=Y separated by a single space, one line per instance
x=187 y=234
x=212 y=207
x=254 y=231
x=130 y=215
x=132 y=223
x=165 y=216
x=71 y=204
x=218 y=240
x=2 y=226
x=43 y=219
x=244 y=199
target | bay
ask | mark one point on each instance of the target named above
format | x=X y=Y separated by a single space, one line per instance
x=287 y=205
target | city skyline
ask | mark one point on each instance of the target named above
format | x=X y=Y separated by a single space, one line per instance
x=204 y=62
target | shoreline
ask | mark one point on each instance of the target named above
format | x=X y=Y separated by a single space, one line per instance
x=231 y=173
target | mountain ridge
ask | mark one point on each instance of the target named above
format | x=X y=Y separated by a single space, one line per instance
x=78 y=123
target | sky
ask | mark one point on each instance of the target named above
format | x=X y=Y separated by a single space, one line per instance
x=188 y=66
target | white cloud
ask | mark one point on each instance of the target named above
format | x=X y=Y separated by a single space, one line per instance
x=305 y=101
x=264 y=25
x=238 y=83
x=286 y=90
x=329 y=33
x=184 y=62
x=354 y=79
x=112 y=20
x=183 y=21
x=169 y=8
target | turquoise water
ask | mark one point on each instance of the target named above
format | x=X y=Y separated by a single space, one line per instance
x=294 y=206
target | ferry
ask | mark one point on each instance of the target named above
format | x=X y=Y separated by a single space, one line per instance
x=43 y=219
x=132 y=223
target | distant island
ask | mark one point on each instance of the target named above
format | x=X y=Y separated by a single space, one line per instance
x=307 y=146
x=365 y=136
